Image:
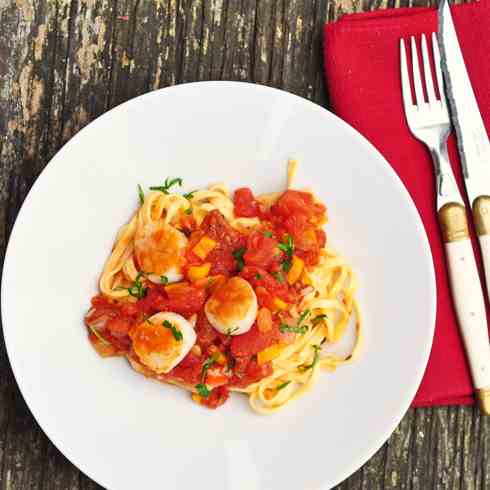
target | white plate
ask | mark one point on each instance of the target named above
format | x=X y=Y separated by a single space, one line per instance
x=126 y=432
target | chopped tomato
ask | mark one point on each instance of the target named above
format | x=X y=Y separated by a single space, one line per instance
x=253 y=341
x=154 y=301
x=267 y=286
x=216 y=379
x=261 y=250
x=120 y=325
x=247 y=371
x=206 y=335
x=217 y=397
x=130 y=309
x=228 y=240
x=188 y=370
x=245 y=203
x=186 y=301
x=297 y=203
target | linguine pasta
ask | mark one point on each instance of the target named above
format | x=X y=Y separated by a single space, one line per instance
x=319 y=314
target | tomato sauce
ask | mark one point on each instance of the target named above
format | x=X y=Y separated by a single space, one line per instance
x=261 y=257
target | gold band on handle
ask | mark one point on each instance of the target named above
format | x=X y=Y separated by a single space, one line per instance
x=484 y=399
x=481 y=215
x=454 y=226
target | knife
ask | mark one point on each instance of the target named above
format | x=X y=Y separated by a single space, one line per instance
x=474 y=150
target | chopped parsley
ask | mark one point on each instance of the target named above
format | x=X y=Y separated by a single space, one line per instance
x=316 y=358
x=141 y=194
x=318 y=319
x=203 y=390
x=294 y=329
x=206 y=365
x=167 y=185
x=288 y=248
x=238 y=256
x=258 y=276
x=175 y=332
x=188 y=210
x=231 y=331
x=303 y=316
x=189 y=195
x=297 y=328
x=279 y=277
x=98 y=335
x=137 y=290
x=283 y=385
x=164 y=279
x=268 y=234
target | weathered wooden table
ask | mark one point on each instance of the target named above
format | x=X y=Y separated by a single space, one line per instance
x=63 y=63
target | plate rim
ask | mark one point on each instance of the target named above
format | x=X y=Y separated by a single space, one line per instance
x=50 y=166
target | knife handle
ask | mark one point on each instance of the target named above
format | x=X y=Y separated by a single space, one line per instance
x=481 y=220
x=467 y=297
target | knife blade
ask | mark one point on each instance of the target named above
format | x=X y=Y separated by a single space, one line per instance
x=473 y=143
x=474 y=150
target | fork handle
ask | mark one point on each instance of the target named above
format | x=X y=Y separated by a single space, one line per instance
x=467 y=297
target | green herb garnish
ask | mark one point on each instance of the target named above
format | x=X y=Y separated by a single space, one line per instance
x=188 y=210
x=203 y=390
x=294 y=329
x=316 y=358
x=303 y=316
x=283 y=385
x=288 y=248
x=137 y=290
x=268 y=234
x=164 y=279
x=238 y=256
x=189 y=195
x=231 y=331
x=175 y=332
x=98 y=335
x=297 y=328
x=318 y=319
x=279 y=277
x=206 y=365
x=141 y=194
x=167 y=184
x=258 y=276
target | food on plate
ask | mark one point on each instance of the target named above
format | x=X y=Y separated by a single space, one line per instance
x=216 y=292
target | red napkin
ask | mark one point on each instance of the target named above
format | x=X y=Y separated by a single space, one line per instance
x=362 y=66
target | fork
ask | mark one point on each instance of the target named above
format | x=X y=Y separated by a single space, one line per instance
x=429 y=122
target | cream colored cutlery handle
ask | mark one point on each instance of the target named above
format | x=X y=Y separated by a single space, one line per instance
x=470 y=309
x=467 y=296
x=485 y=252
x=481 y=220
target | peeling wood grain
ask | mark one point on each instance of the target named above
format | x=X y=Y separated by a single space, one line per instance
x=64 y=62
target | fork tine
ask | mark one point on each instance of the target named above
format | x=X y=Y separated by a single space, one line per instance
x=429 y=85
x=437 y=63
x=417 y=81
x=406 y=90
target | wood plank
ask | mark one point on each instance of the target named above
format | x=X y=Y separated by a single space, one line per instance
x=68 y=61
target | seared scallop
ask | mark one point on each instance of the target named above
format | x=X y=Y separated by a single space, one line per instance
x=159 y=248
x=162 y=341
x=232 y=308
